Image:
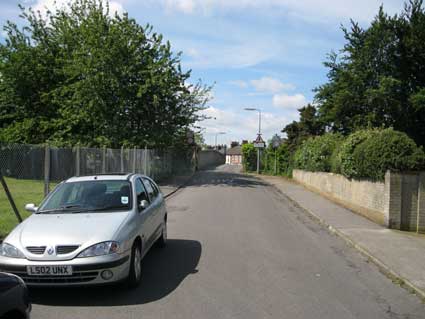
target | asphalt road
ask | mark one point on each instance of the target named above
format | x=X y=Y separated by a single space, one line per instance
x=240 y=249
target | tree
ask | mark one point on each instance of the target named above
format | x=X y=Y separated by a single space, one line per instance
x=378 y=79
x=80 y=75
x=307 y=126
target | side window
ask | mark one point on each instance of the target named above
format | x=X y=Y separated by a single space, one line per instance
x=140 y=191
x=155 y=188
x=149 y=189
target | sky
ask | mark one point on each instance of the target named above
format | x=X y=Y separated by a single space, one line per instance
x=265 y=54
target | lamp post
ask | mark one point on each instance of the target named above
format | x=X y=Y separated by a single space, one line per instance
x=219 y=133
x=259 y=133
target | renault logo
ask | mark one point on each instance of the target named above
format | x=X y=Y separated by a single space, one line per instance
x=51 y=251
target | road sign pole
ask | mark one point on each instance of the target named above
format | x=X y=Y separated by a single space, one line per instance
x=258 y=161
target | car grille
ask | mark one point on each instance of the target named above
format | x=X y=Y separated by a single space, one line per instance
x=36 y=250
x=63 y=250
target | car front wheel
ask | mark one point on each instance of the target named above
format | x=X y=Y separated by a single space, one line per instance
x=135 y=274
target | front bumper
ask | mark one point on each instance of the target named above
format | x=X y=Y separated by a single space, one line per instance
x=86 y=271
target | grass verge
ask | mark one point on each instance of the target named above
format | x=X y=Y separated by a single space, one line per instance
x=23 y=192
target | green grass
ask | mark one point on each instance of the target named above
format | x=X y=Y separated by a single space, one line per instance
x=23 y=192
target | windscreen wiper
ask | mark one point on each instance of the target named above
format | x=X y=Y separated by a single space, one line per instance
x=59 y=209
x=99 y=209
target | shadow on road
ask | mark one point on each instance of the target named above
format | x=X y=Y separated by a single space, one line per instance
x=224 y=176
x=163 y=271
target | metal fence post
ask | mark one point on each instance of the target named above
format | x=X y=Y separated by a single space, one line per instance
x=104 y=160
x=46 y=170
x=145 y=162
x=77 y=160
x=122 y=159
x=134 y=160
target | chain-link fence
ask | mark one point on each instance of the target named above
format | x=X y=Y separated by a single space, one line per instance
x=48 y=163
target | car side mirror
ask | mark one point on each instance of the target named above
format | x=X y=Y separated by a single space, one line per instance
x=31 y=208
x=143 y=204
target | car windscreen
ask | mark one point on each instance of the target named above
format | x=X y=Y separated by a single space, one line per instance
x=89 y=196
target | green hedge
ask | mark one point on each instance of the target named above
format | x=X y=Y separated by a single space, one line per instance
x=249 y=155
x=363 y=154
x=385 y=150
x=315 y=153
x=283 y=160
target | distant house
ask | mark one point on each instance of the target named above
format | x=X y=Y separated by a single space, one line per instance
x=234 y=155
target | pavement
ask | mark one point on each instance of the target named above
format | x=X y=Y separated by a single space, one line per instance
x=239 y=248
x=401 y=255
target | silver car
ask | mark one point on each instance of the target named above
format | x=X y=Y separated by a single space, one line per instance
x=89 y=230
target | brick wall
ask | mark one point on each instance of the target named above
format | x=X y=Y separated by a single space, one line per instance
x=398 y=203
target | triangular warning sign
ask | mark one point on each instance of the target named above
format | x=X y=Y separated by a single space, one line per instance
x=259 y=139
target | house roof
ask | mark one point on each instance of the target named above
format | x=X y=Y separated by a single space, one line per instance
x=237 y=150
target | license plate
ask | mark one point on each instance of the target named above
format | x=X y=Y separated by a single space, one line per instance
x=49 y=270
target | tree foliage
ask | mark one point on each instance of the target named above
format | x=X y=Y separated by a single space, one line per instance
x=378 y=79
x=307 y=126
x=81 y=75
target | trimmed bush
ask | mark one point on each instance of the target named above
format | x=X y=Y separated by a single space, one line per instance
x=315 y=153
x=343 y=162
x=386 y=150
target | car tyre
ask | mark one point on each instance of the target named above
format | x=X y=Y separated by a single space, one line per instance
x=135 y=274
x=162 y=240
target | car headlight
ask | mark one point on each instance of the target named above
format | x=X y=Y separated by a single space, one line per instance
x=8 y=250
x=105 y=248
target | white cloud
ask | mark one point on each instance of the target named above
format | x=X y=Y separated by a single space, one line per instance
x=289 y=101
x=362 y=10
x=271 y=85
x=185 y=6
x=263 y=85
x=193 y=53
x=44 y=5
x=239 y=83
x=241 y=125
x=239 y=54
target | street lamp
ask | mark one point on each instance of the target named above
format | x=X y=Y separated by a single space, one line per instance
x=216 y=134
x=259 y=133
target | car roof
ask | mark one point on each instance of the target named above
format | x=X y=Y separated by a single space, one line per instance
x=101 y=177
